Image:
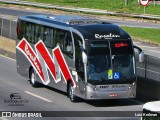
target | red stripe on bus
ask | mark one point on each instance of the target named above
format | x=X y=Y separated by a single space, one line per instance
x=63 y=66
x=31 y=56
x=47 y=58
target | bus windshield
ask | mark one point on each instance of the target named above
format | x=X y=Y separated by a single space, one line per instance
x=110 y=60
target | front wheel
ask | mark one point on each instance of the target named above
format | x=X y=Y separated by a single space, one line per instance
x=72 y=97
x=33 y=81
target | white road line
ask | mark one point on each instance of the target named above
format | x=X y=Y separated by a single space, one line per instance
x=137 y=42
x=2 y=118
x=37 y=96
x=7 y=57
x=152 y=51
x=148 y=70
x=148 y=47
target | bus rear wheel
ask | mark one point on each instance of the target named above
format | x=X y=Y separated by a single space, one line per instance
x=33 y=81
x=72 y=97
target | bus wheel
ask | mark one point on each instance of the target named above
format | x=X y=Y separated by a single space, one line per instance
x=72 y=97
x=33 y=81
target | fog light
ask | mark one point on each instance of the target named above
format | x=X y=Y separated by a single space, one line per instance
x=133 y=83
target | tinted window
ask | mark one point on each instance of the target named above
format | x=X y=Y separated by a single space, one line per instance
x=48 y=37
x=37 y=33
x=78 y=55
x=21 y=29
x=59 y=38
x=78 y=43
x=68 y=44
x=98 y=48
x=30 y=32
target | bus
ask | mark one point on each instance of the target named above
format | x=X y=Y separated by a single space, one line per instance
x=151 y=111
x=85 y=57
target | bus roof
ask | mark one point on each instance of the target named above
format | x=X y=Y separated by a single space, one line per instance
x=102 y=31
x=91 y=29
x=68 y=20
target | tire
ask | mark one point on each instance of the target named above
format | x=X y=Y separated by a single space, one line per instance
x=33 y=81
x=71 y=95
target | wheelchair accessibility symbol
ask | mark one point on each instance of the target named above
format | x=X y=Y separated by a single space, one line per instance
x=116 y=75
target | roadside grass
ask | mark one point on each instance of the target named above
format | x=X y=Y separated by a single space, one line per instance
x=144 y=34
x=110 y=5
x=6 y=55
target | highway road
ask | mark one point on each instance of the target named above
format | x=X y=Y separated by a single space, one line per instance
x=133 y=23
x=47 y=99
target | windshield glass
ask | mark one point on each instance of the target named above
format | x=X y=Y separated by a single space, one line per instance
x=110 y=60
x=99 y=60
x=123 y=66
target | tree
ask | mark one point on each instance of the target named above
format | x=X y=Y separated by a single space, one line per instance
x=126 y=2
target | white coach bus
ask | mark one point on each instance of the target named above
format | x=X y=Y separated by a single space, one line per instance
x=85 y=57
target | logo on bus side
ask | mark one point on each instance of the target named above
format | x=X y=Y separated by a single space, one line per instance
x=42 y=61
x=98 y=36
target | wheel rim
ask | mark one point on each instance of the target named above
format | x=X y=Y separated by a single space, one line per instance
x=71 y=92
x=33 y=78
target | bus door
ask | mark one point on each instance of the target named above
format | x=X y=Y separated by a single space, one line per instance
x=79 y=65
x=64 y=40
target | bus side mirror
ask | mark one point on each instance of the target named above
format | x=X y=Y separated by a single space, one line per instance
x=141 y=53
x=141 y=56
x=84 y=57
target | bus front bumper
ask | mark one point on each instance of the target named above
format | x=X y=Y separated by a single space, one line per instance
x=116 y=91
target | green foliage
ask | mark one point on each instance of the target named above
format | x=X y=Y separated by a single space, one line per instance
x=144 y=34
x=110 y=5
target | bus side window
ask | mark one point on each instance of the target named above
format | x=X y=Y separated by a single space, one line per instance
x=27 y=36
x=40 y=33
x=52 y=34
x=78 y=53
x=19 y=29
x=23 y=29
x=59 y=38
x=30 y=32
x=45 y=34
x=48 y=37
x=68 y=45
x=37 y=34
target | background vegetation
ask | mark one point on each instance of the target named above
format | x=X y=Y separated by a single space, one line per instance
x=146 y=34
x=132 y=6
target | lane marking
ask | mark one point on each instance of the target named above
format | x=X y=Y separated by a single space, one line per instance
x=148 y=47
x=37 y=96
x=152 y=51
x=7 y=57
x=137 y=42
x=2 y=118
x=148 y=70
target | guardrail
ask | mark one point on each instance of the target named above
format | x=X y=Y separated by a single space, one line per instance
x=150 y=68
x=77 y=9
x=8 y=27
